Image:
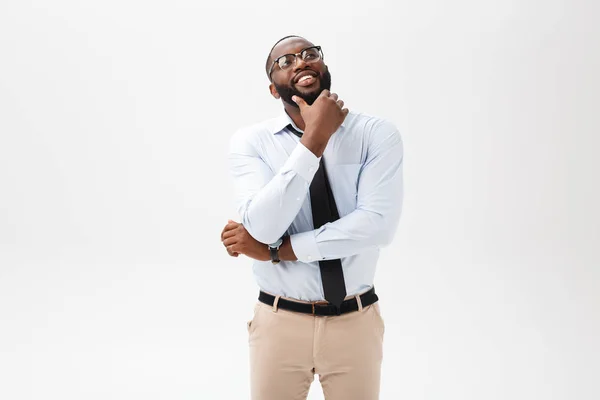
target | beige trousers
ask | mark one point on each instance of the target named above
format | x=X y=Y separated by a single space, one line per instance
x=288 y=348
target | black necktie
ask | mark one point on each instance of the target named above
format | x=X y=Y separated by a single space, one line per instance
x=325 y=210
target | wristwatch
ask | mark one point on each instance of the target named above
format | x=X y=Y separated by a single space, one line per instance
x=274 y=250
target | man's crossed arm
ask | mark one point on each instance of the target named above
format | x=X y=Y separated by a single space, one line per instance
x=237 y=240
x=267 y=207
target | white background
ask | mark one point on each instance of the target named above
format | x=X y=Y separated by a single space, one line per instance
x=115 y=118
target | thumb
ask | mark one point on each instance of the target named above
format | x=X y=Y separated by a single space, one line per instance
x=299 y=100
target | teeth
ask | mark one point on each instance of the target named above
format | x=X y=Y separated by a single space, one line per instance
x=305 y=77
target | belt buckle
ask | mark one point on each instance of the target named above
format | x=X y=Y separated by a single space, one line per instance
x=317 y=302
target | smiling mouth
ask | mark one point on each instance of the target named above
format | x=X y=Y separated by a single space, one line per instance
x=306 y=81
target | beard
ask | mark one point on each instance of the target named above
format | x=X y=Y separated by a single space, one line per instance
x=287 y=91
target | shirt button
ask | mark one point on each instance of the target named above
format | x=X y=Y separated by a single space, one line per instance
x=309 y=258
x=298 y=198
x=310 y=169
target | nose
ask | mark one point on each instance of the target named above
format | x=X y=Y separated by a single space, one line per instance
x=300 y=63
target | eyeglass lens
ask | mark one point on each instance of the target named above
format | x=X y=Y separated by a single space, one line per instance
x=308 y=56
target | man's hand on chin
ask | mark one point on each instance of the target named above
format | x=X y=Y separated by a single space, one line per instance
x=237 y=240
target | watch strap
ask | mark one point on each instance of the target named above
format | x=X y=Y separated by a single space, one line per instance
x=274 y=250
x=274 y=254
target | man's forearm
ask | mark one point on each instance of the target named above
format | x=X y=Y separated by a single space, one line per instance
x=286 y=253
x=268 y=204
x=315 y=144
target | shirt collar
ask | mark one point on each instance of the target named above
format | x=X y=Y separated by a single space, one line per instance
x=279 y=123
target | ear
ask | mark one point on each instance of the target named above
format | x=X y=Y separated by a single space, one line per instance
x=273 y=91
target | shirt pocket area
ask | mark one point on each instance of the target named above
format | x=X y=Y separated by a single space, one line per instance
x=343 y=179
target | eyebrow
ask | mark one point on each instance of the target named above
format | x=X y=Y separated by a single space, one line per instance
x=286 y=54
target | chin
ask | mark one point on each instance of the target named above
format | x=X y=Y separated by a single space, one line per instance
x=308 y=92
x=312 y=93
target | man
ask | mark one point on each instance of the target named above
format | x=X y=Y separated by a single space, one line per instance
x=319 y=192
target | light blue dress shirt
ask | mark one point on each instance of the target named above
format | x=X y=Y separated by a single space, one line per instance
x=272 y=172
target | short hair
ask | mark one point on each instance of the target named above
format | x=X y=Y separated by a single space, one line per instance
x=268 y=63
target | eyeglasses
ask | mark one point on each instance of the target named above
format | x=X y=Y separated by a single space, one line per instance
x=309 y=55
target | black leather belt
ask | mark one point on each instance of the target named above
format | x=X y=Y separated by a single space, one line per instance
x=320 y=307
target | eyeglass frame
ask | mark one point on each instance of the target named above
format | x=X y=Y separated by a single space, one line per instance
x=296 y=57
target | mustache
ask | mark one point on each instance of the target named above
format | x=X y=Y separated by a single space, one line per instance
x=287 y=91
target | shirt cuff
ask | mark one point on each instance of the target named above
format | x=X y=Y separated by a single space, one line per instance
x=303 y=161
x=305 y=246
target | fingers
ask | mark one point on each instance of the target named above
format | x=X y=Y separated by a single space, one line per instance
x=229 y=233
x=232 y=253
x=230 y=241
x=228 y=237
x=337 y=100
x=300 y=101
x=233 y=248
x=231 y=225
x=229 y=246
x=340 y=104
